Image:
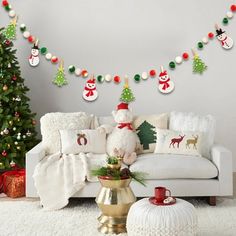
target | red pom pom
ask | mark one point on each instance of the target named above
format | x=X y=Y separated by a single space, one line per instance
x=233 y=7
x=14 y=78
x=185 y=56
x=152 y=73
x=210 y=35
x=5 y=3
x=84 y=73
x=54 y=59
x=31 y=39
x=117 y=79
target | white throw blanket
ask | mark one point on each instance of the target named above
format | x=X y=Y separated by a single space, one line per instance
x=58 y=177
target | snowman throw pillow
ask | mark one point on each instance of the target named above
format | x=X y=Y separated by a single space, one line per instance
x=178 y=142
x=76 y=141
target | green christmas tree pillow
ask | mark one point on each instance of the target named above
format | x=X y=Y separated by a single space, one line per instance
x=146 y=126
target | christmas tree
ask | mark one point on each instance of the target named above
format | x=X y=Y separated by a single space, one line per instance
x=17 y=124
x=198 y=65
x=60 y=79
x=127 y=95
x=10 y=31
x=147 y=134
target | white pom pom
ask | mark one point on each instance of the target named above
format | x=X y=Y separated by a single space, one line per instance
x=144 y=75
x=229 y=14
x=78 y=71
x=108 y=78
x=48 y=56
x=178 y=60
x=26 y=34
x=205 y=40
x=12 y=13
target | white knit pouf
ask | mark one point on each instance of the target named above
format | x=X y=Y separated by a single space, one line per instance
x=146 y=219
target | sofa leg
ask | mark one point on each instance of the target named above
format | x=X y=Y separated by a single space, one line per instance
x=211 y=200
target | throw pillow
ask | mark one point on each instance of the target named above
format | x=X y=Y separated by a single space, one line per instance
x=182 y=121
x=145 y=127
x=76 y=141
x=177 y=142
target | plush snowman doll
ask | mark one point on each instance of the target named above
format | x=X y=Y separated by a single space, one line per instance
x=226 y=42
x=34 y=57
x=90 y=93
x=165 y=84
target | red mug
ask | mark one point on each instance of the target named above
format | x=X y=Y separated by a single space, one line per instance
x=160 y=193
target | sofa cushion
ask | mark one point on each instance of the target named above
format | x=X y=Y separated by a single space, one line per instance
x=170 y=166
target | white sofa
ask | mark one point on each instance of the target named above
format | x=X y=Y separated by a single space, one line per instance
x=183 y=175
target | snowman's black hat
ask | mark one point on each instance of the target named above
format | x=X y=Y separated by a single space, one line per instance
x=35 y=47
x=219 y=32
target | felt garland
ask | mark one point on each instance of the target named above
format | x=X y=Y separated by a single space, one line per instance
x=227 y=43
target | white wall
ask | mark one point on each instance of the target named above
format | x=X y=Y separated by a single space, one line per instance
x=125 y=37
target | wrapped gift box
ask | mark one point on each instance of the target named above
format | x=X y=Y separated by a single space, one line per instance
x=14 y=183
x=1 y=183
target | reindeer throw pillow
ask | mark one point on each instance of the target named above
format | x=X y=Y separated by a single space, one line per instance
x=178 y=142
x=76 y=141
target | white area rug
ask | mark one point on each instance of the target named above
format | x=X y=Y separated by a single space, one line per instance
x=25 y=218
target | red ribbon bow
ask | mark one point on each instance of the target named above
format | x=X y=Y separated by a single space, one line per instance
x=90 y=91
x=165 y=84
x=123 y=125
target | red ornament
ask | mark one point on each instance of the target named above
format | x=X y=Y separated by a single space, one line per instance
x=4 y=153
x=5 y=3
x=54 y=59
x=117 y=79
x=84 y=73
x=210 y=35
x=8 y=42
x=152 y=73
x=34 y=122
x=14 y=78
x=17 y=114
x=233 y=7
x=185 y=56
x=31 y=39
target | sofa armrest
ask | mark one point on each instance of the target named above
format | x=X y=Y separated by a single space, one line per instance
x=222 y=158
x=33 y=157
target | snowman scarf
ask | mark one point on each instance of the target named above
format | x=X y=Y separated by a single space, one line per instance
x=223 y=42
x=123 y=125
x=165 y=84
x=90 y=91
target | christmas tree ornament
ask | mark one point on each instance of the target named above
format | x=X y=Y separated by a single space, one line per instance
x=185 y=56
x=90 y=93
x=225 y=21
x=12 y=164
x=205 y=40
x=198 y=65
x=230 y=14
x=12 y=13
x=233 y=8
x=14 y=128
x=226 y=41
x=108 y=78
x=210 y=35
x=18 y=147
x=100 y=78
x=18 y=136
x=165 y=84
x=10 y=122
x=71 y=69
x=28 y=133
x=34 y=122
x=26 y=34
x=8 y=145
x=14 y=78
x=24 y=136
x=5 y=3
x=2 y=133
x=117 y=79
x=43 y=50
x=18 y=99
x=172 y=65
x=5 y=88
x=6 y=131
x=178 y=60
x=48 y=56
x=9 y=65
x=78 y=71
x=127 y=95
x=54 y=59
x=152 y=73
x=34 y=57
x=84 y=73
x=31 y=39
x=144 y=75
x=8 y=42
x=10 y=31
x=137 y=78
x=4 y=153
x=22 y=27
x=17 y=114
x=60 y=79
x=16 y=143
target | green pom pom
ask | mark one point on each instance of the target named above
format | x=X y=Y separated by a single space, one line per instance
x=200 y=45
x=71 y=69
x=100 y=78
x=172 y=65
x=43 y=50
x=7 y=7
x=225 y=21
x=137 y=78
x=22 y=28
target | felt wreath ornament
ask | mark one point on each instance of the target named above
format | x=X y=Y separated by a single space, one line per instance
x=80 y=138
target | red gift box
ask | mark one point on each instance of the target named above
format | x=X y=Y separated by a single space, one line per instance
x=14 y=183
x=1 y=183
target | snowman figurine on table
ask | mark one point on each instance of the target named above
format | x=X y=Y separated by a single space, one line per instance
x=226 y=41
x=34 y=57
x=90 y=93
x=165 y=84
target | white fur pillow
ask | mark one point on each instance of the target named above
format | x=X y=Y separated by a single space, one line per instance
x=76 y=141
x=190 y=122
x=177 y=142
x=51 y=123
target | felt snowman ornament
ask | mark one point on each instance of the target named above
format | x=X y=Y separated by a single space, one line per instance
x=90 y=93
x=165 y=84
x=34 y=57
x=226 y=41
